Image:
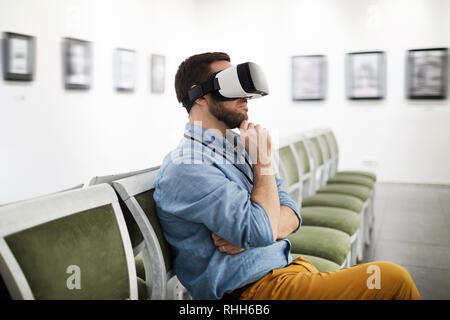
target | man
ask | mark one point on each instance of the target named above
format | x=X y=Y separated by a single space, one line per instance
x=227 y=221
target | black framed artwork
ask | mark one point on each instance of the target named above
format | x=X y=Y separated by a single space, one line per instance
x=19 y=56
x=366 y=75
x=427 y=73
x=77 y=64
x=158 y=73
x=308 y=77
x=125 y=69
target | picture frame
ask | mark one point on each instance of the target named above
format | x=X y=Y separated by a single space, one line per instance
x=77 y=64
x=124 y=69
x=158 y=73
x=309 y=77
x=427 y=73
x=19 y=57
x=366 y=75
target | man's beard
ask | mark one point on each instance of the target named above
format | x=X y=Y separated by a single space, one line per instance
x=232 y=119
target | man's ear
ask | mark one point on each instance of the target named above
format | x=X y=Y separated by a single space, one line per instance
x=201 y=101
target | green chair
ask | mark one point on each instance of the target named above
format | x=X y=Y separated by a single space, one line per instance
x=297 y=169
x=334 y=151
x=356 y=183
x=321 y=157
x=69 y=245
x=340 y=175
x=330 y=244
x=154 y=290
x=137 y=193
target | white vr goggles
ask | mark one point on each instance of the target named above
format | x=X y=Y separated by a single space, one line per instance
x=246 y=80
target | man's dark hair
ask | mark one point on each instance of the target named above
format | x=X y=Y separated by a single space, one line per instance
x=195 y=70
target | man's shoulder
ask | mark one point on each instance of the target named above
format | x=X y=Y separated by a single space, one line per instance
x=180 y=165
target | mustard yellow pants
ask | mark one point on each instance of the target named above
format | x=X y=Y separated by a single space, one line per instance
x=301 y=280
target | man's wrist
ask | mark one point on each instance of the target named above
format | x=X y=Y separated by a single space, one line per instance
x=263 y=168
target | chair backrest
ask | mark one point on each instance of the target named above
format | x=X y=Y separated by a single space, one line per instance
x=289 y=171
x=137 y=193
x=334 y=142
x=137 y=239
x=316 y=151
x=325 y=147
x=113 y=177
x=303 y=157
x=334 y=151
x=327 y=154
x=305 y=164
x=318 y=156
x=78 y=186
x=69 y=245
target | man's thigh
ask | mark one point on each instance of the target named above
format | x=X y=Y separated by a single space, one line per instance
x=301 y=280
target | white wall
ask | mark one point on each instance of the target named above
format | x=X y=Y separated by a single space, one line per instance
x=409 y=140
x=51 y=138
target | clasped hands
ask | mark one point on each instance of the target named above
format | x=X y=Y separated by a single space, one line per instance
x=225 y=246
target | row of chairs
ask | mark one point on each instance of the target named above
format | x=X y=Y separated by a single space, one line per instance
x=104 y=241
x=105 y=236
x=336 y=206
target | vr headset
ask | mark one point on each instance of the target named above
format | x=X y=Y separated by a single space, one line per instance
x=245 y=80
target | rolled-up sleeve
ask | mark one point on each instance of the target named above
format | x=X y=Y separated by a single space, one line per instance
x=203 y=194
x=286 y=200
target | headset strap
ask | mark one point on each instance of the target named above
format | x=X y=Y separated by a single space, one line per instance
x=199 y=91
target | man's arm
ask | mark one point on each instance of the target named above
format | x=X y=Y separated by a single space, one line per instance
x=289 y=222
x=265 y=192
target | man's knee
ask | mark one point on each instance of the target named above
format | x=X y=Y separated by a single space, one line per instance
x=396 y=279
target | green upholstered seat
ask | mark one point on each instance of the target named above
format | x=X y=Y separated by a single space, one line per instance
x=352 y=179
x=323 y=265
x=336 y=218
x=134 y=232
x=147 y=203
x=140 y=272
x=142 y=289
x=361 y=192
x=334 y=200
x=4 y=294
x=366 y=174
x=140 y=269
x=327 y=243
x=89 y=240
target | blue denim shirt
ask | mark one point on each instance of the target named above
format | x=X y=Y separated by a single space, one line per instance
x=197 y=192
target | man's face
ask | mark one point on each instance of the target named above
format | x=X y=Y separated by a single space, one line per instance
x=232 y=113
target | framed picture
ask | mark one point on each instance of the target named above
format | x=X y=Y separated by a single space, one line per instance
x=77 y=59
x=19 y=56
x=308 y=77
x=366 y=75
x=158 y=73
x=427 y=73
x=125 y=69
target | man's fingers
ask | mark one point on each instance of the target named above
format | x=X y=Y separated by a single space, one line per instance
x=224 y=245
x=230 y=249
x=244 y=125
x=218 y=241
